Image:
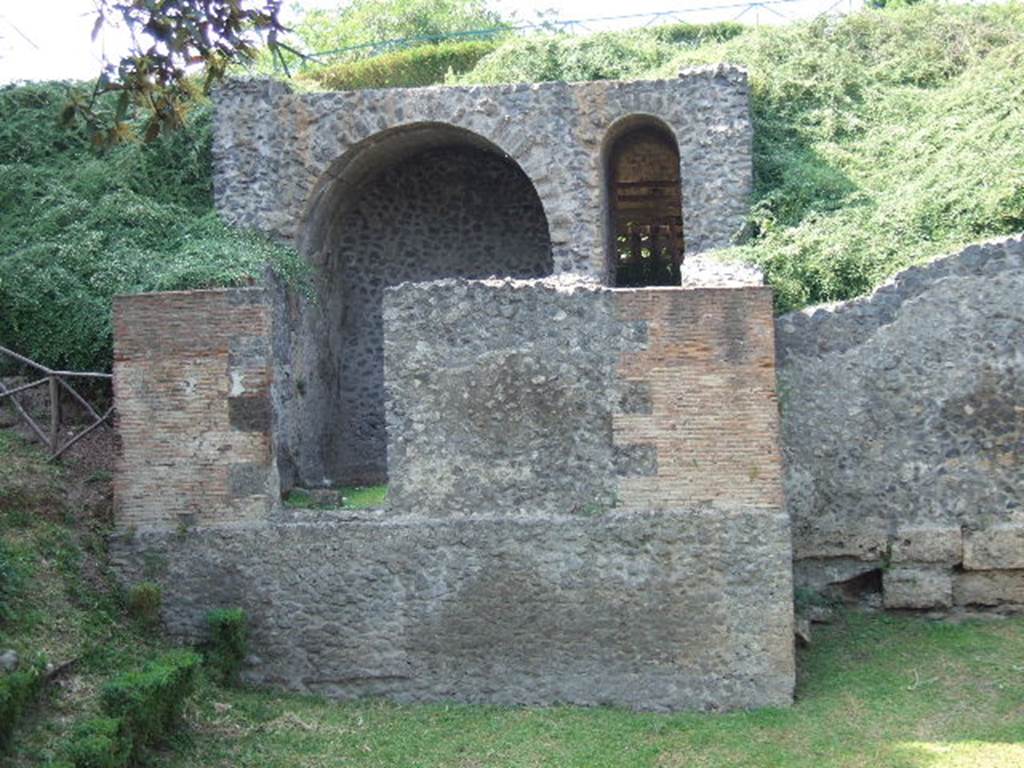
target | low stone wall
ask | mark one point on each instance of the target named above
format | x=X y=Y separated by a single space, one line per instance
x=903 y=433
x=192 y=386
x=662 y=611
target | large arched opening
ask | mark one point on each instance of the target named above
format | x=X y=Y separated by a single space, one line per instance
x=643 y=197
x=416 y=203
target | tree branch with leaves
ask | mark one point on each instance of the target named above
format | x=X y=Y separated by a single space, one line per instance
x=179 y=49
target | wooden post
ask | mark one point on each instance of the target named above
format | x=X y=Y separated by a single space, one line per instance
x=54 y=415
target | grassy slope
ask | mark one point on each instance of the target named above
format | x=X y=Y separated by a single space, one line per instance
x=54 y=596
x=874 y=691
x=881 y=140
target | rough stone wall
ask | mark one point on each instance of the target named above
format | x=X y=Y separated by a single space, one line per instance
x=646 y=413
x=553 y=396
x=277 y=153
x=500 y=396
x=521 y=568
x=446 y=212
x=663 y=611
x=903 y=430
x=191 y=383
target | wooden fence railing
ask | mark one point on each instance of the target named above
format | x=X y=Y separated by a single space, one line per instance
x=55 y=381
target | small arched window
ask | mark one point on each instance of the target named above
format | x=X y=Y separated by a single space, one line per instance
x=645 y=212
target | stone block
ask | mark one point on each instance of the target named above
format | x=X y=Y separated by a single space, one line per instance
x=818 y=575
x=995 y=548
x=639 y=459
x=862 y=542
x=928 y=544
x=917 y=588
x=989 y=588
x=247 y=479
x=250 y=413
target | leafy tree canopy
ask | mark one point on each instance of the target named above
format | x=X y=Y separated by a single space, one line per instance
x=363 y=22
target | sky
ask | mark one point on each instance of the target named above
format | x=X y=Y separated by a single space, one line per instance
x=51 y=39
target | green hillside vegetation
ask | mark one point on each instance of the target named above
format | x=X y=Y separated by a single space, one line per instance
x=55 y=598
x=882 y=139
x=96 y=684
x=79 y=226
x=409 y=67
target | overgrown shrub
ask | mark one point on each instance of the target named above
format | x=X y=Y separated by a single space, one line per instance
x=602 y=56
x=150 y=701
x=422 y=65
x=77 y=228
x=143 y=602
x=228 y=643
x=698 y=34
x=17 y=690
x=881 y=140
x=561 y=57
x=101 y=742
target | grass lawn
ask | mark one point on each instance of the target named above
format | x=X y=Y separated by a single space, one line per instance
x=349 y=497
x=875 y=691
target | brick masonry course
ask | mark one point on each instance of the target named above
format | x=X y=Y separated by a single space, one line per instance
x=192 y=386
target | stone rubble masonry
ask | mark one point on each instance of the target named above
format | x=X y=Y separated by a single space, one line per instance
x=520 y=559
x=668 y=610
x=636 y=410
x=191 y=382
x=546 y=395
x=903 y=432
x=277 y=154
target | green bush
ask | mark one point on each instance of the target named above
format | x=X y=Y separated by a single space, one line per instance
x=143 y=603
x=77 y=228
x=101 y=742
x=698 y=34
x=150 y=701
x=881 y=140
x=602 y=56
x=422 y=65
x=18 y=689
x=228 y=643
x=560 y=57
